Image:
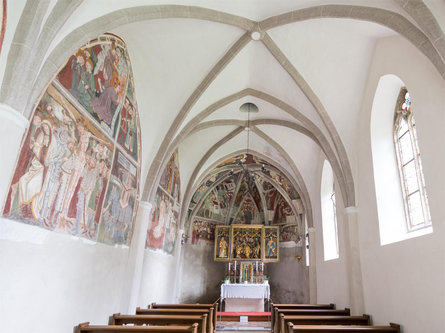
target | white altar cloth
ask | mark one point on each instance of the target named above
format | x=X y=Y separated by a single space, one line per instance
x=233 y=290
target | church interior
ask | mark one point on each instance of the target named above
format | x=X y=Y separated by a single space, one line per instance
x=180 y=152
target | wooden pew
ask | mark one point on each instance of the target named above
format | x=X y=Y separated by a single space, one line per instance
x=305 y=312
x=323 y=320
x=303 y=306
x=160 y=320
x=211 y=325
x=393 y=328
x=86 y=327
x=330 y=306
x=214 y=305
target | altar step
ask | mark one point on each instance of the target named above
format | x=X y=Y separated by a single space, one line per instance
x=236 y=326
x=244 y=316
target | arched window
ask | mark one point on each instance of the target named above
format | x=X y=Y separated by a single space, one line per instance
x=329 y=213
x=410 y=165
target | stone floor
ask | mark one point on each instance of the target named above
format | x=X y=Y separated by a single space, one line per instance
x=252 y=327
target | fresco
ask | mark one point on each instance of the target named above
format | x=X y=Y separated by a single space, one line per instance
x=119 y=206
x=66 y=178
x=97 y=76
x=283 y=212
x=289 y=233
x=207 y=183
x=248 y=212
x=62 y=166
x=235 y=160
x=161 y=235
x=203 y=231
x=3 y=15
x=255 y=198
x=170 y=180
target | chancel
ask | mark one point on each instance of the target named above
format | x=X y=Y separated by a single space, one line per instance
x=218 y=165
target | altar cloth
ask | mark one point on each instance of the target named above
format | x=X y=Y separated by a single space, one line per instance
x=233 y=290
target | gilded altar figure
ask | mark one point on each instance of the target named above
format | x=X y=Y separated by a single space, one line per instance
x=271 y=241
x=222 y=241
x=223 y=248
x=247 y=251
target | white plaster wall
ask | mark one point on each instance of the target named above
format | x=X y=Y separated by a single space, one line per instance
x=289 y=278
x=200 y=275
x=50 y=282
x=158 y=278
x=403 y=281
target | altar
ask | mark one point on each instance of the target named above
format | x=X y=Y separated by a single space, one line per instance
x=244 y=297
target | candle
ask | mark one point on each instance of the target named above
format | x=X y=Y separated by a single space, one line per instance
x=262 y=267
x=256 y=266
x=229 y=267
x=235 y=264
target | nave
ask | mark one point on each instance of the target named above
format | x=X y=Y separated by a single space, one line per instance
x=205 y=318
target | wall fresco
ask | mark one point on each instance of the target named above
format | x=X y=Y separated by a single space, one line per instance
x=161 y=235
x=283 y=212
x=119 y=205
x=96 y=76
x=203 y=231
x=66 y=178
x=289 y=233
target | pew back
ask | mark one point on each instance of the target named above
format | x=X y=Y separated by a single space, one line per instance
x=323 y=320
x=393 y=328
x=86 y=327
x=182 y=312
x=305 y=312
x=160 y=320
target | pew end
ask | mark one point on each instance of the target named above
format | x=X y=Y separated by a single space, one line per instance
x=396 y=326
x=78 y=327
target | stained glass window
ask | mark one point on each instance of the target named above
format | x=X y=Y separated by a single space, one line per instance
x=410 y=165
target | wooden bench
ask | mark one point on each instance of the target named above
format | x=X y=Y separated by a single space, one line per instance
x=303 y=306
x=330 y=306
x=323 y=320
x=160 y=320
x=155 y=305
x=305 y=312
x=86 y=327
x=211 y=324
x=393 y=328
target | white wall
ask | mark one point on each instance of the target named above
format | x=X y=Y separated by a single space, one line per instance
x=403 y=281
x=51 y=282
x=158 y=279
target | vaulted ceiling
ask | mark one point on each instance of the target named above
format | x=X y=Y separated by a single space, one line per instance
x=303 y=63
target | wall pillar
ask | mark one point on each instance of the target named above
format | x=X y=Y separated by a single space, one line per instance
x=312 y=267
x=12 y=127
x=136 y=258
x=353 y=264
x=178 y=264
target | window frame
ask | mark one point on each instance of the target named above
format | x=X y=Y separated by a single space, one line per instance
x=407 y=116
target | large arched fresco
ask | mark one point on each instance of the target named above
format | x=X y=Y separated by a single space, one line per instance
x=244 y=189
x=79 y=164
